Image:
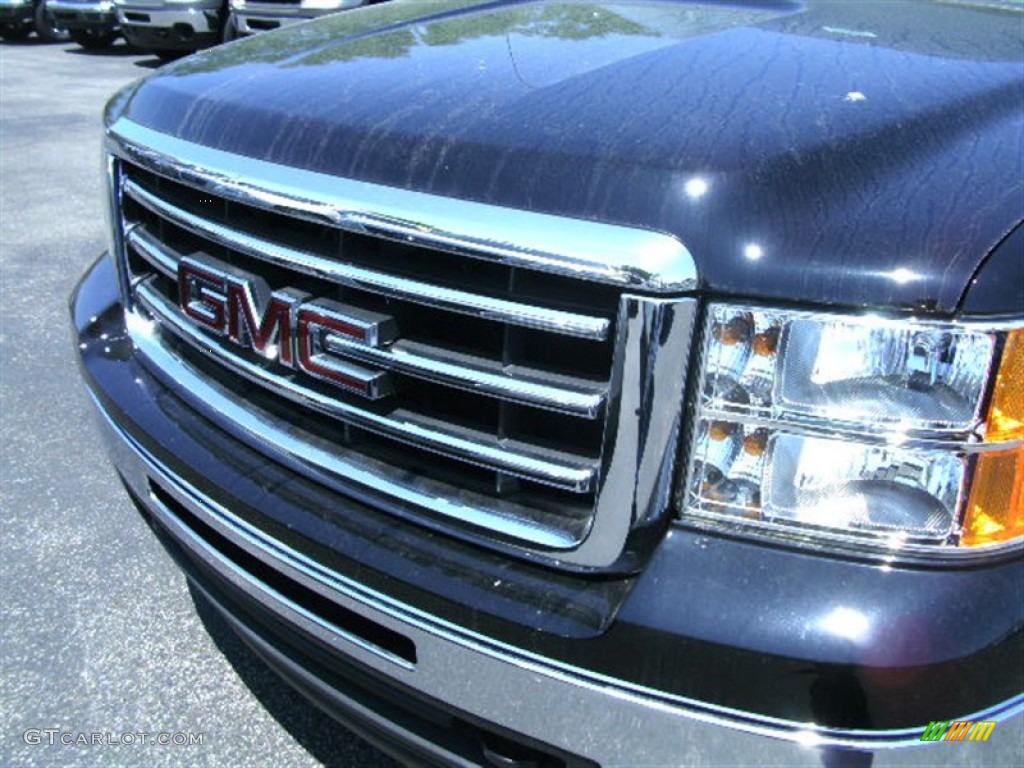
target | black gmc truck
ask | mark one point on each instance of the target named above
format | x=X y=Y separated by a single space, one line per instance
x=590 y=383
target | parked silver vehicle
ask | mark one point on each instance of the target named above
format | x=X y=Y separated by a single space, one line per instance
x=90 y=23
x=251 y=16
x=19 y=18
x=170 y=28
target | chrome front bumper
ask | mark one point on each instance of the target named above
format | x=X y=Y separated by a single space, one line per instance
x=200 y=20
x=97 y=15
x=84 y=8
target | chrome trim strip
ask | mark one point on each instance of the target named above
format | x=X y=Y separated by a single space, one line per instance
x=582 y=711
x=469 y=373
x=116 y=228
x=994 y=323
x=645 y=416
x=153 y=251
x=558 y=470
x=453 y=300
x=573 y=396
x=586 y=250
x=309 y=681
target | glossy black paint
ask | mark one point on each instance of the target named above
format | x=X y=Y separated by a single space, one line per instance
x=854 y=153
x=783 y=633
x=998 y=287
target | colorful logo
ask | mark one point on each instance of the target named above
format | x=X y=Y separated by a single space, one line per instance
x=958 y=730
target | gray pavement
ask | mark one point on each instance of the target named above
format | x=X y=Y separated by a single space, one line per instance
x=99 y=633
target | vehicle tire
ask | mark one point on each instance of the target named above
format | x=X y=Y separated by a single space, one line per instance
x=230 y=31
x=93 y=39
x=11 y=32
x=48 y=31
x=223 y=25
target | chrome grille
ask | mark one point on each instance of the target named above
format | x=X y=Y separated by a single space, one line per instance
x=509 y=369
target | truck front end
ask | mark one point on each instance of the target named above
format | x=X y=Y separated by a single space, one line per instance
x=172 y=27
x=576 y=384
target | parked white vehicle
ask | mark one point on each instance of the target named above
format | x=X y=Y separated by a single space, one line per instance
x=251 y=16
x=171 y=28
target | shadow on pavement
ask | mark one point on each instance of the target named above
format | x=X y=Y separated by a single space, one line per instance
x=117 y=49
x=30 y=42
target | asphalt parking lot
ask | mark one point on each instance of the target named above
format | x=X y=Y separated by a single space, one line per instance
x=99 y=632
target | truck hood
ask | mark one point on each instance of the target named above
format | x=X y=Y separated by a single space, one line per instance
x=860 y=154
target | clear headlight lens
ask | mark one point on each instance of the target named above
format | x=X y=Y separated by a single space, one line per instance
x=887 y=433
x=868 y=373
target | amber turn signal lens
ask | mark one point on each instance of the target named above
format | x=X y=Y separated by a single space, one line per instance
x=995 y=512
x=1006 y=413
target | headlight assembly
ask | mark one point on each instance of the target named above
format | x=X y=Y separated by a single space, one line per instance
x=859 y=431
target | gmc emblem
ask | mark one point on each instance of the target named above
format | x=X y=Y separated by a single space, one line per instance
x=287 y=325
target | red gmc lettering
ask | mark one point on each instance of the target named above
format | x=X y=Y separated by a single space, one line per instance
x=311 y=322
x=201 y=294
x=249 y=323
x=286 y=324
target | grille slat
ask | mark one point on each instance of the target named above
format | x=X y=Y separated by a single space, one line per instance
x=150 y=248
x=529 y=387
x=490 y=308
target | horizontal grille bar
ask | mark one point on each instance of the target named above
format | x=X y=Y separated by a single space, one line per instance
x=490 y=308
x=588 y=251
x=554 y=468
x=531 y=387
x=469 y=372
x=150 y=248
